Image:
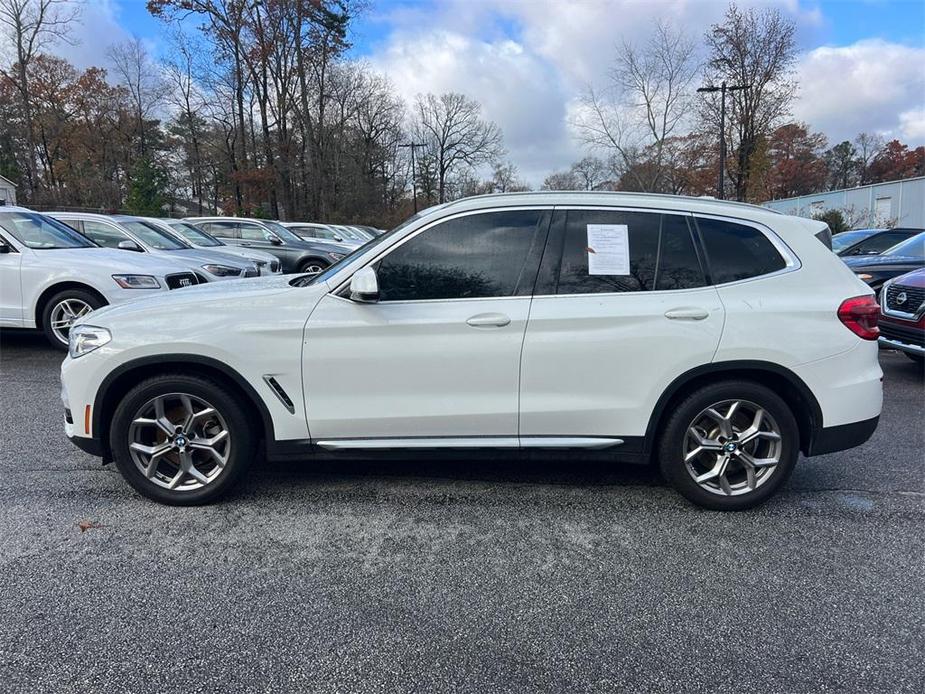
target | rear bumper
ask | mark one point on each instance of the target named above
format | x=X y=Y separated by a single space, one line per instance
x=842 y=437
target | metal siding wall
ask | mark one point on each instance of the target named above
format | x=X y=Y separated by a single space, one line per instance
x=907 y=201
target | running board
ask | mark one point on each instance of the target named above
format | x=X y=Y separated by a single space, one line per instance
x=586 y=442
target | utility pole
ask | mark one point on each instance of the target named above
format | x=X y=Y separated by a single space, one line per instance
x=414 y=175
x=722 y=89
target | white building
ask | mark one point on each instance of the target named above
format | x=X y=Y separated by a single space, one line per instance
x=7 y=191
x=894 y=203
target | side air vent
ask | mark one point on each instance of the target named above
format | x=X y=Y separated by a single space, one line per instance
x=280 y=393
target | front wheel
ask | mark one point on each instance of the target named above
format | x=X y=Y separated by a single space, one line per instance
x=181 y=440
x=729 y=446
x=63 y=309
x=312 y=267
x=917 y=358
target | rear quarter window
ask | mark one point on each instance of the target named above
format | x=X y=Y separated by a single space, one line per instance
x=737 y=251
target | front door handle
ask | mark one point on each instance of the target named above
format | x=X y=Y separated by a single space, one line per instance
x=687 y=313
x=489 y=320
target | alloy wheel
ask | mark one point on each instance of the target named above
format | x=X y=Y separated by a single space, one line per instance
x=732 y=447
x=63 y=315
x=179 y=442
x=313 y=269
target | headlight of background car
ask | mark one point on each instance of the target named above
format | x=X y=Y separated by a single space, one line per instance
x=137 y=281
x=222 y=270
x=86 y=338
x=335 y=256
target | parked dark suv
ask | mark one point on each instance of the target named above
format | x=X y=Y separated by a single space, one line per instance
x=295 y=254
x=898 y=260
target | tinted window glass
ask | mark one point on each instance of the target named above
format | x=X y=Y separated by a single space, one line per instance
x=104 y=234
x=480 y=255
x=661 y=253
x=737 y=252
x=880 y=242
x=848 y=238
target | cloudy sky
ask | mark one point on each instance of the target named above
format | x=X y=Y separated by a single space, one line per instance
x=860 y=66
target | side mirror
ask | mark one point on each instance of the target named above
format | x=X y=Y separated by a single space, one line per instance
x=338 y=238
x=364 y=286
x=128 y=245
x=275 y=240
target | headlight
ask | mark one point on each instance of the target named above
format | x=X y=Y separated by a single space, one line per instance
x=335 y=256
x=222 y=270
x=864 y=276
x=137 y=281
x=85 y=338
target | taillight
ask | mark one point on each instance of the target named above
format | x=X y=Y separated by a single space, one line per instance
x=860 y=315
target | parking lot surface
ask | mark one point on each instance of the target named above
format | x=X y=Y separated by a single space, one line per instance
x=448 y=576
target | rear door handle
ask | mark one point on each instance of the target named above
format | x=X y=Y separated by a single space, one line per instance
x=489 y=320
x=687 y=313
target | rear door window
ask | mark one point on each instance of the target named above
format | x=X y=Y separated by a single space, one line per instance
x=660 y=248
x=737 y=251
x=221 y=230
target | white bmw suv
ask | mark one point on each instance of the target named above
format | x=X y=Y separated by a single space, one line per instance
x=51 y=276
x=718 y=339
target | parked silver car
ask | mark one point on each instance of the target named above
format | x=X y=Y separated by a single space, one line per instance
x=266 y=263
x=134 y=234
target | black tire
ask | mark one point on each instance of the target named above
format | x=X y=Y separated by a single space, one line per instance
x=87 y=297
x=917 y=358
x=308 y=266
x=671 y=445
x=225 y=402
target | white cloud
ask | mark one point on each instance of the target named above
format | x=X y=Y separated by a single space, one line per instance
x=527 y=62
x=871 y=85
x=90 y=36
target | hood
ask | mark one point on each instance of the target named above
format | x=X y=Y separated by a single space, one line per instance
x=113 y=260
x=873 y=261
x=215 y=294
x=203 y=256
x=916 y=278
x=247 y=254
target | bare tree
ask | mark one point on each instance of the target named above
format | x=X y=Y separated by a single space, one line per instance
x=28 y=27
x=868 y=146
x=456 y=136
x=141 y=77
x=506 y=179
x=754 y=48
x=644 y=104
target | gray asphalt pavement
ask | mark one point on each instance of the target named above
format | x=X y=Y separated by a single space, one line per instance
x=435 y=576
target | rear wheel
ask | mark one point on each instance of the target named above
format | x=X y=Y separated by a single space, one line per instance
x=181 y=440
x=313 y=266
x=63 y=309
x=729 y=446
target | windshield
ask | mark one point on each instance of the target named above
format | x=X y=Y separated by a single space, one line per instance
x=195 y=236
x=913 y=248
x=152 y=236
x=331 y=270
x=847 y=238
x=42 y=233
x=280 y=230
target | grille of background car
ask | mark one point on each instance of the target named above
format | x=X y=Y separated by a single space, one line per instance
x=251 y=272
x=274 y=265
x=182 y=279
x=914 y=298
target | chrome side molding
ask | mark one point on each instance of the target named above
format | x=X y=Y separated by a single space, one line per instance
x=586 y=442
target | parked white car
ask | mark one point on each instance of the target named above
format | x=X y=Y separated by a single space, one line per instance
x=50 y=275
x=133 y=234
x=266 y=264
x=719 y=339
